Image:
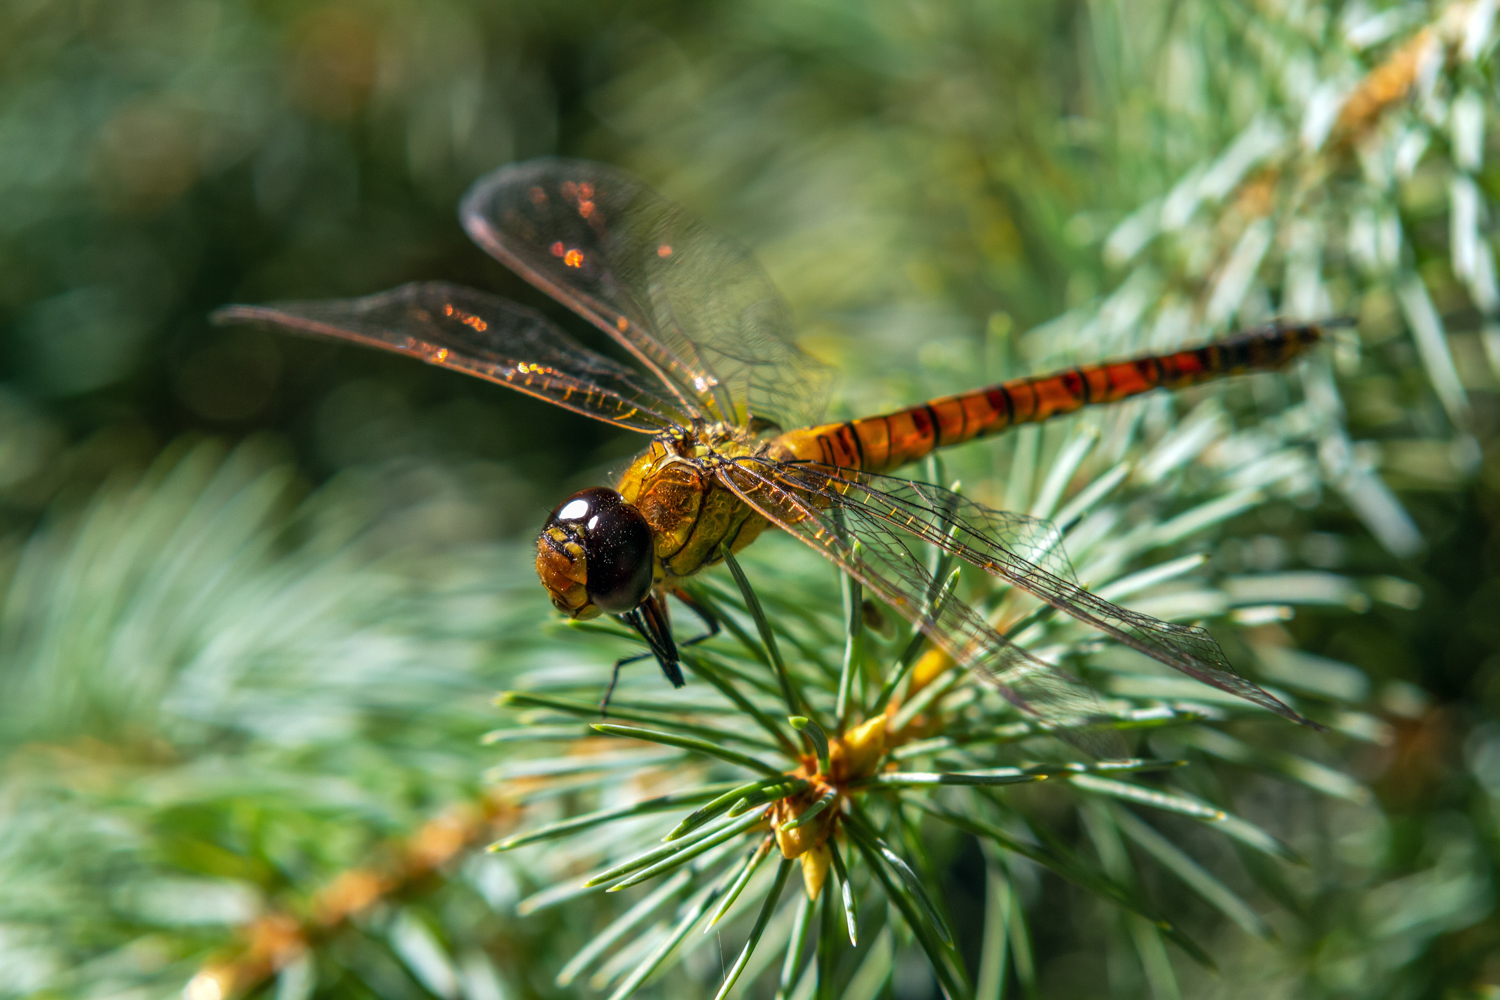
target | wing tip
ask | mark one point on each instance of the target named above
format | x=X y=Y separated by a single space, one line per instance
x=1265 y=699
x=239 y=313
x=1295 y=716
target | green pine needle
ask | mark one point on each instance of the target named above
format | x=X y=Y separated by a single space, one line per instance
x=764 y=917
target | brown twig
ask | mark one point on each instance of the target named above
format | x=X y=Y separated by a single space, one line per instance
x=279 y=937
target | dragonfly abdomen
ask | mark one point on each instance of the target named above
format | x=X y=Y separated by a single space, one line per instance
x=889 y=441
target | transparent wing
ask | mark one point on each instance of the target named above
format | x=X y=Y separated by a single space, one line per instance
x=483 y=335
x=694 y=307
x=890 y=565
x=886 y=514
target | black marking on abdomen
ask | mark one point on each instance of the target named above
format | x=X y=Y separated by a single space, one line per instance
x=859 y=446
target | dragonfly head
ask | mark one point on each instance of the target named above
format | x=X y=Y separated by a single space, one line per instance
x=595 y=554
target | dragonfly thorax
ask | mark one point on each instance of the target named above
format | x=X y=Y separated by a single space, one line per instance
x=703 y=440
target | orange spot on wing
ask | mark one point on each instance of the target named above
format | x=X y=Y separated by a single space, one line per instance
x=538 y=196
x=622 y=324
x=573 y=258
x=467 y=319
x=585 y=190
x=664 y=250
x=557 y=249
x=585 y=208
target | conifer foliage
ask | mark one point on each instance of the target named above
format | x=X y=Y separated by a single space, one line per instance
x=292 y=717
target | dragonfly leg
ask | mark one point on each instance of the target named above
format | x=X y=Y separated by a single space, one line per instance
x=614 y=677
x=708 y=618
x=650 y=620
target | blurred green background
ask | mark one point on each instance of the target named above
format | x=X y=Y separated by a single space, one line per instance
x=930 y=183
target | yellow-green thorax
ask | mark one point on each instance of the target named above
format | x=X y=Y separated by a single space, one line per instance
x=690 y=513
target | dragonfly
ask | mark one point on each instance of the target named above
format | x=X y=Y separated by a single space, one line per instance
x=737 y=445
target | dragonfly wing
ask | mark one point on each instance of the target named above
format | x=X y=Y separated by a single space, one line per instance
x=889 y=563
x=1024 y=552
x=693 y=306
x=483 y=335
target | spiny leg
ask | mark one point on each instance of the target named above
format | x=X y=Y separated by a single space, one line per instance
x=642 y=624
x=650 y=620
x=614 y=677
x=705 y=615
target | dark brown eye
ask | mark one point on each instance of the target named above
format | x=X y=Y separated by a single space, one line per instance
x=617 y=546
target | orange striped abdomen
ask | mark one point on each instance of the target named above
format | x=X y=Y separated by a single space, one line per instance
x=883 y=443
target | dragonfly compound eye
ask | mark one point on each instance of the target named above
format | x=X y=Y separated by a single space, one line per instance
x=595 y=554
